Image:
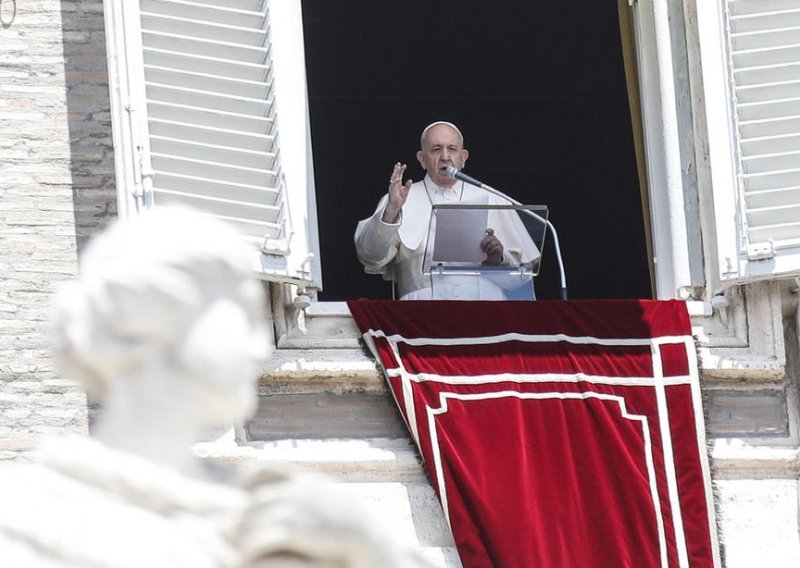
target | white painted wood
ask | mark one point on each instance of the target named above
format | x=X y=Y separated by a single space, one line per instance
x=197 y=122
x=761 y=87
x=667 y=210
x=128 y=106
x=294 y=125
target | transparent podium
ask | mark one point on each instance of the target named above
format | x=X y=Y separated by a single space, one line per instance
x=456 y=265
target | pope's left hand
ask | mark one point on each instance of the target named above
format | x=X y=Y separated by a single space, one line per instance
x=493 y=248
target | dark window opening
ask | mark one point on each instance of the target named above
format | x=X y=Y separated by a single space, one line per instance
x=538 y=89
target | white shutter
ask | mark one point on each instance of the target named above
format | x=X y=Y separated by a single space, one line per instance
x=764 y=74
x=207 y=133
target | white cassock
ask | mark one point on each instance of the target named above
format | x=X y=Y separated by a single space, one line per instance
x=397 y=250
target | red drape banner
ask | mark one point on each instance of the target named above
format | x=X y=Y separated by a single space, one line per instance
x=555 y=433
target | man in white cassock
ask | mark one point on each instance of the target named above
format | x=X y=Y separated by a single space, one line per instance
x=392 y=242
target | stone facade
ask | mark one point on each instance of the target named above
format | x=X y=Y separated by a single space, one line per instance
x=750 y=384
x=57 y=188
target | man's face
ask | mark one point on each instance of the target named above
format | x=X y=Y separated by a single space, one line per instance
x=442 y=147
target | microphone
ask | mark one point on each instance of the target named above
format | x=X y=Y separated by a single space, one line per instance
x=454 y=173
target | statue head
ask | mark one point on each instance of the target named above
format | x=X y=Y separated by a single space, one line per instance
x=170 y=294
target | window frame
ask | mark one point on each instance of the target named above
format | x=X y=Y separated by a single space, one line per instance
x=737 y=260
x=299 y=261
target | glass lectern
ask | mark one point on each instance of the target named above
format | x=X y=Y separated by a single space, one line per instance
x=457 y=267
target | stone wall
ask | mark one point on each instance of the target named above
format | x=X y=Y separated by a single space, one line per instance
x=753 y=419
x=56 y=189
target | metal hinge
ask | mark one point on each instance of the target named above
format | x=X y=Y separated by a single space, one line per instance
x=275 y=246
x=760 y=251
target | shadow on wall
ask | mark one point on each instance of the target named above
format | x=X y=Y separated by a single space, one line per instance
x=89 y=118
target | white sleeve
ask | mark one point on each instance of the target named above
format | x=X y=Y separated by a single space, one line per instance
x=377 y=242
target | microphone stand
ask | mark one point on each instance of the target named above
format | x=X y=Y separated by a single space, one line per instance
x=456 y=174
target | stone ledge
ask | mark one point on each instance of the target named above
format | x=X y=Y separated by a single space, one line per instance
x=333 y=370
x=324 y=325
x=734 y=459
x=351 y=460
x=741 y=340
x=325 y=415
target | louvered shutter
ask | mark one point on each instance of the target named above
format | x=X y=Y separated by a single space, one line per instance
x=764 y=74
x=207 y=133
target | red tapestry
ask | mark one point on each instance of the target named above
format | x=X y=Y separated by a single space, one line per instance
x=555 y=433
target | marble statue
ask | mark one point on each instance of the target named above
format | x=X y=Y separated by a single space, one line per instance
x=165 y=328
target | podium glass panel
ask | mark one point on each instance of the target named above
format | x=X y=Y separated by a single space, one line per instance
x=456 y=265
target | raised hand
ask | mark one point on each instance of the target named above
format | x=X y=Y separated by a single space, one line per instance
x=398 y=193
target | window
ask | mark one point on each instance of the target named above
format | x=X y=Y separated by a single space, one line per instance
x=751 y=68
x=210 y=111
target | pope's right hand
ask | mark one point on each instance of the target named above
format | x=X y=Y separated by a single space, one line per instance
x=398 y=193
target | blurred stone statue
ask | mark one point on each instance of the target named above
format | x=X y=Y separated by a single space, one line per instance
x=166 y=329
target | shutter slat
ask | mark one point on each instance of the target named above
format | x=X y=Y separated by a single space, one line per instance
x=747 y=16
x=202 y=29
x=208 y=65
x=779 y=73
x=783 y=215
x=224 y=102
x=204 y=134
x=181 y=165
x=221 y=13
x=769 y=56
x=265 y=214
x=775 y=180
x=772 y=109
x=772 y=37
x=772 y=145
x=764 y=22
x=213 y=153
x=766 y=128
x=764 y=47
x=769 y=91
x=184 y=45
x=772 y=198
x=739 y=8
x=210 y=118
x=246 y=5
x=218 y=189
x=771 y=163
x=202 y=81
x=786 y=232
